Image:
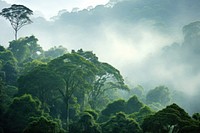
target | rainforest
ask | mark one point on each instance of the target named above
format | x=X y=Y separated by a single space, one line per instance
x=125 y=66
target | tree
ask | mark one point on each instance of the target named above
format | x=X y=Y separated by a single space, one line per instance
x=133 y=105
x=138 y=91
x=196 y=116
x=106 y=78
x=86 y=124
x=8 y=67
x=77 y=72
x=11 y=73
x=121 y=124
x=55 y=52
x=93 y=113
x=42 y=83
x=6 y=97
x=25 y=49
x=160 y=94
x=141 y=114
x=18 y=16
x=7 y=55
x=19 y=112
x=30 y=66
x=2 y=48
x=172 y=118
x=114 y=107
x=43 y=124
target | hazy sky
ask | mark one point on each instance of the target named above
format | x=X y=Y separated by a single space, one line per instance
x=50 y=8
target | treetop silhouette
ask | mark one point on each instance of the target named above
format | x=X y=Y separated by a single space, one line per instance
x=18 y=15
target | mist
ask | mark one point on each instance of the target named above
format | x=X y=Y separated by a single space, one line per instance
x=141 y=38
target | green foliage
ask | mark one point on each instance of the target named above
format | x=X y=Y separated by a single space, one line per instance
x=77 y=73
x=11 y=73
x=101 y=101
x=133 y=105
x=121 y=124
x=7 y=55
x=18 y=113
x=138 y=91
x=11 y=91
x=141 y=114
x=30 y=66
x=196 y=116
x=55 y=52
x=171 y=116
x=160 y=94
x=86 y=124
x=25 y=49
x=26 y=105
x=8 y=66
x=75 y=70
x=6 y=96
x=64 y=84
x=156 y=106
x=93 y=113
x=74 y=108
x=114 y=107
x=43 y=125
x=4 y=99
x=2 y=48
x=42 y=83
x=106 y=78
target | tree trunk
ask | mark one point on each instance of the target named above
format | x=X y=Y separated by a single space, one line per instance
x=83 y=102
x=15 y=34
x=66 y=101
x=67 y=115
x=93 y=103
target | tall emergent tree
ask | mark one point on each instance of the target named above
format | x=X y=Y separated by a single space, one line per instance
x=18 y=16
x=77 y=72
x=106 y=78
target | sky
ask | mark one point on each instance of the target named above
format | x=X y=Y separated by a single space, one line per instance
x=50 y=8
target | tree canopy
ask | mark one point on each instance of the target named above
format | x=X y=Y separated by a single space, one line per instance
x=159 y=94
x=19 y=112
x=61 y=91
x=171 y=118
x=121 y=124
x=26 y=48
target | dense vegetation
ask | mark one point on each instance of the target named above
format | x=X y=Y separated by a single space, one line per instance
x=60 y=91
x=57 y=91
